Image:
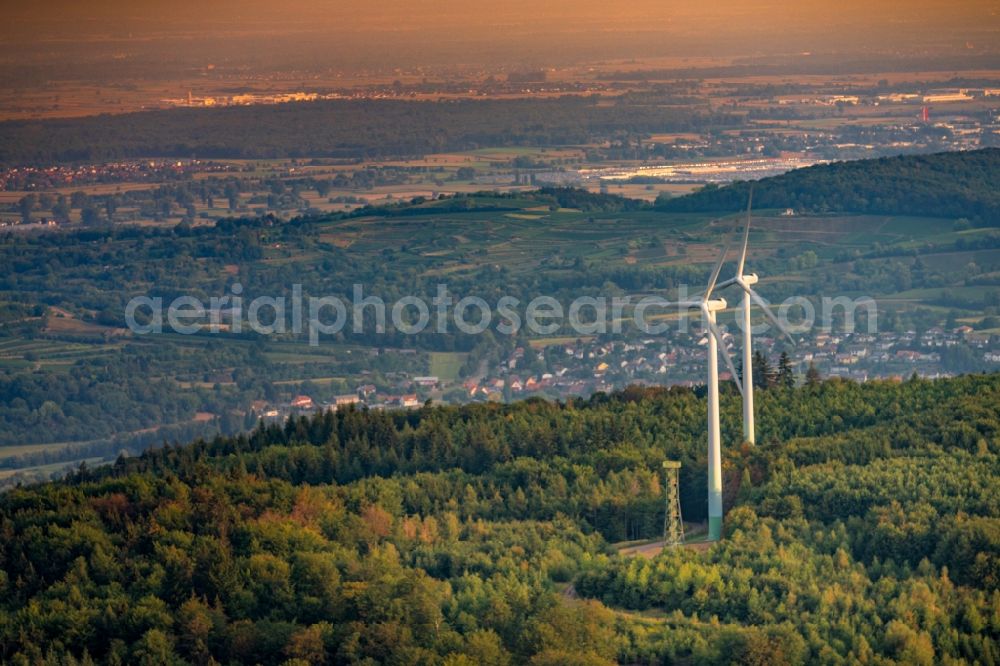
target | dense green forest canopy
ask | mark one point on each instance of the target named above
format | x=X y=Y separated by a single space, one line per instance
x=864 y=530
x=342 y=128
x=963 y=184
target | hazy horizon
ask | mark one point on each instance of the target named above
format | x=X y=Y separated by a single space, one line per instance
x=315 y=34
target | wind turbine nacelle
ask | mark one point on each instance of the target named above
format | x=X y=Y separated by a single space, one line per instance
x=716 y=304
x=750 y=279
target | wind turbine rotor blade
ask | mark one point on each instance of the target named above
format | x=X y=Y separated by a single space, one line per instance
x=746 y=234
x=715 y=274
x=725 y=353
x=769 y=314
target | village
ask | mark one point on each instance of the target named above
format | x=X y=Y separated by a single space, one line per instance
x=587 y=366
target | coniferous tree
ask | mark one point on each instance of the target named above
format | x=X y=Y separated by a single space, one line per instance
x=812 y=375
x=786 y=376
x=746 y=486
x=764 y=375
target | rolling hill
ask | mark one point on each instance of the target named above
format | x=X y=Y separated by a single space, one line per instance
x=965 y=184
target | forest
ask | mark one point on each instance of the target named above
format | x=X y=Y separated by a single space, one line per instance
x=863 y=529
x=964 y=184
x=349 y=129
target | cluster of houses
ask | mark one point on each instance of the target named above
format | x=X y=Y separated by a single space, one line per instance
x=580 y=369
x=34 y=224
x=366 y=395
x=586 y=367
x=33 y=178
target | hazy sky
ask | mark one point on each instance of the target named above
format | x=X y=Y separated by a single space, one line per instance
x=408 y=32
x=776 y=15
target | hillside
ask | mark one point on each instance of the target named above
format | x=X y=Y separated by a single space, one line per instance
x=866 y=531
x=69 y=373
x=965 y=184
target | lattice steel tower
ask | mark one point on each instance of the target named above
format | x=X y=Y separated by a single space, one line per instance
x=673 y=524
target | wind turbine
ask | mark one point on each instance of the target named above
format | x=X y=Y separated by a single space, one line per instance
x=708 y=308
x=745 y=282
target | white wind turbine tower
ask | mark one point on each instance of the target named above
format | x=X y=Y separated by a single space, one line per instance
x=708 y=308
x=745 y=282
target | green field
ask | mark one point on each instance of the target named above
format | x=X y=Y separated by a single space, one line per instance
x=445 y=365
x=19 y=450
x=43 y=471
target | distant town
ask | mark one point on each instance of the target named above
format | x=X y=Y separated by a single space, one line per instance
x=582 y=367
